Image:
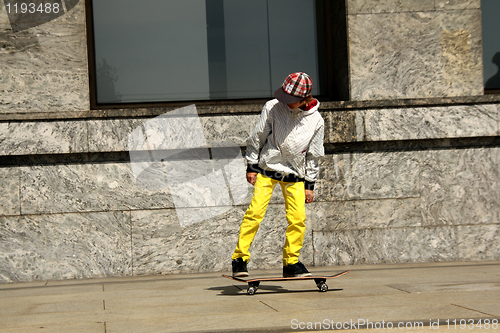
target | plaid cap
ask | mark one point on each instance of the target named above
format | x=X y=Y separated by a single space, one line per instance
x=295 y=88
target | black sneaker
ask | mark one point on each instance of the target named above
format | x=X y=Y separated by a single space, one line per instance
x=295 y=270
x=239 y=268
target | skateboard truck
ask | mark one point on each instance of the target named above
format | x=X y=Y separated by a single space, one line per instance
x=321 y=283
x=252 y=287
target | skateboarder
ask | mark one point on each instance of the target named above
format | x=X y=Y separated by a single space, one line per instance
x=283 y=148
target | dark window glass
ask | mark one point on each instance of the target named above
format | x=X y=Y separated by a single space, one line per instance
x=171 y=50
x=491 y=43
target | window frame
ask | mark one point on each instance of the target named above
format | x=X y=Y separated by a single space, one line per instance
x=331 y=34
x=487 y=91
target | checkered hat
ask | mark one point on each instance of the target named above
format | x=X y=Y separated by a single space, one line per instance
x=295 y=88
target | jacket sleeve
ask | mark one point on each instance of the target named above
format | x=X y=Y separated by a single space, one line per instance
x=315 y=151
x=258 y=137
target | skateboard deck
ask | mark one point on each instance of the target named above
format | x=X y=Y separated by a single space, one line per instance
x=253 y=284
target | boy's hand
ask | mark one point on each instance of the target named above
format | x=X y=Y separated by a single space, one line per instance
x=309 y=196
x=251 y=177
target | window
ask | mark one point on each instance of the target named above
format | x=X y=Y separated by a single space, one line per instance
x=491 y=44
x=193 y=50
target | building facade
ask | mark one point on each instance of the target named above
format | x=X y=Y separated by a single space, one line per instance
x=411 y=172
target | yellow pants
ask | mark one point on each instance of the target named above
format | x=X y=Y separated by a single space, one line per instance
x=294 y=195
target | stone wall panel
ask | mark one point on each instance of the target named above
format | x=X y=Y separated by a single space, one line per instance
x=85 y=188
x=111 y=135
x=457 y=4
x=415 y=55
x=366 y=214
x=65 y=246
x=9 y=191
x=393 y=245
x=479 y=242
x=359 y=176
x=460 y=186
x=340 y=126
x=431 y=123
x=232 y=130
x=32 y=138
x=45 y=67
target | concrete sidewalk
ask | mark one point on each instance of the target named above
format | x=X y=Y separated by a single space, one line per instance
x=370 y=298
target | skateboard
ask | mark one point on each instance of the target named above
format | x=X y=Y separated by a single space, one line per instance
x=253 y=284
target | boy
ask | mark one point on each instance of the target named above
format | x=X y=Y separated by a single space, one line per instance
x=283 y=148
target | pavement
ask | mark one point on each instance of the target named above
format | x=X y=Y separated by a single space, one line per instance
x=424 y=297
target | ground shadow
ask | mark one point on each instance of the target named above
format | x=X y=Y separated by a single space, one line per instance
x=241 y=289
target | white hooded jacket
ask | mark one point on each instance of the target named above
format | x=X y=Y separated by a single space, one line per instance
x=287 y=141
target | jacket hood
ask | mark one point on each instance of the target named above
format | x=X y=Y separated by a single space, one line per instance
x=313 y=107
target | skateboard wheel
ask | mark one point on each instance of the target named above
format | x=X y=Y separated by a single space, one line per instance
x=322 y=286
x=251 y=290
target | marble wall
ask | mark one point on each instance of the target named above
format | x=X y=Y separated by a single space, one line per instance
x=44 y=66
x=398 y=183
x=92 y=218
x=447 y=198
x=414 y=49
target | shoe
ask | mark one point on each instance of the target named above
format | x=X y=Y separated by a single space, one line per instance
x=295 y=270
x=239 y=268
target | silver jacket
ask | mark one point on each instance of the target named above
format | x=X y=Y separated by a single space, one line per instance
x=287 y=141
